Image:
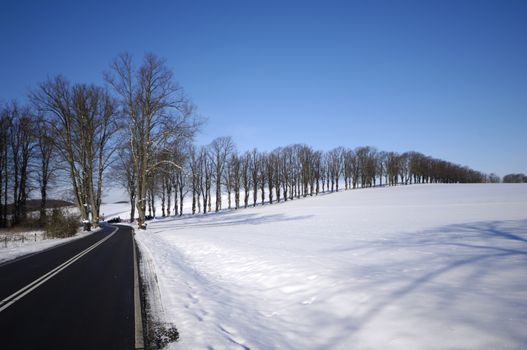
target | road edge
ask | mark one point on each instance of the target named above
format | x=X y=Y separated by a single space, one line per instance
x=158 y=333
x=138 y=315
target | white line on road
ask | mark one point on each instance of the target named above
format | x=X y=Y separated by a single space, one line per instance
x=13 y=298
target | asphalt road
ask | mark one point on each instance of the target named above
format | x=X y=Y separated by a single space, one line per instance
x=77 y=296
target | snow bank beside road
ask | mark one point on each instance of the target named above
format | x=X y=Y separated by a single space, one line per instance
x=423 y=266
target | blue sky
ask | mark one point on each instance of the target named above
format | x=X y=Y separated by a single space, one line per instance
x=445 y=78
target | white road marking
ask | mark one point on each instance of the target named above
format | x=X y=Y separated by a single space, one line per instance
x=13 y=298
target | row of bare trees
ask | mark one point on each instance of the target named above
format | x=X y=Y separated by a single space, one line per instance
x=136 y=126
x=27 y=161
x=17 y=142
x=82 y=122
x=159 y=121
x=142 y=125
x=216 y=175
x=65 y=130
x=515 y=178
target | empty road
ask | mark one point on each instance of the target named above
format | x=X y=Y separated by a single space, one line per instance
x=76 y=296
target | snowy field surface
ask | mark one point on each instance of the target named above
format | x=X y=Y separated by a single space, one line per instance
x=414 y=267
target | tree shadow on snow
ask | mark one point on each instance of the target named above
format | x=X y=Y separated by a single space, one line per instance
x=482 y=248
x=231 y=219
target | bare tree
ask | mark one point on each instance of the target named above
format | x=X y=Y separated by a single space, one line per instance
x=234 y=178
x=317 y=159
x=194 y=165
x=81 y=120
x=4 y=163
x=123 y=172
x=305 y=158
x=347 y=168
x=221 y=148
x=276 y=171
x=403 y=167
x=21 y=141
x=381 y=166
x=255 y=169
x=179 y=177
x=285 y=158
x=270 y=163
x=205 y=177
x=157 y=110
x=46 y=168
x=231 y=178
x=262 y=173
x=392 y=167
x=246 y=177
x=335 y=157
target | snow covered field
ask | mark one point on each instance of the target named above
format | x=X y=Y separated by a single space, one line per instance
x=415 y=267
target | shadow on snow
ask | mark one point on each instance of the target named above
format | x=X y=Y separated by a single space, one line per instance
x=483 y=248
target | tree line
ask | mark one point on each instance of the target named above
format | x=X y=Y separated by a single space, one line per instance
x=515 y=178
x=74 y=133
x=138 y=131
x=26 y=161
x=217 y=176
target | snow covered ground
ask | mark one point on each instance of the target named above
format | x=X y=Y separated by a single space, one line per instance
x=13 y=246
x=415 y=267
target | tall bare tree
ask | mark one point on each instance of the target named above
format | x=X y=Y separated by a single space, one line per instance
x=335 y=157
x=81 y=118
x=4 y=164
x=22 y=143
x=255 y=169
x=46 y=152
x=221 y=148
x=158 y=113
x=123 y=173
x=245 y=169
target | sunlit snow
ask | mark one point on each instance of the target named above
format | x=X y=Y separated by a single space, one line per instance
x=410 y=267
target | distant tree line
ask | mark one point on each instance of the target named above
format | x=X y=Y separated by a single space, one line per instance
x=138 y=131
x=216 y=176
x=515 y=178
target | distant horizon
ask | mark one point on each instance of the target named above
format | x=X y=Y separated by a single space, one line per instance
x=444 y=79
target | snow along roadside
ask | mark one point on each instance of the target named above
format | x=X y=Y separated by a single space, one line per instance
x=435 y=266
x=158 y=332
x=30 y=248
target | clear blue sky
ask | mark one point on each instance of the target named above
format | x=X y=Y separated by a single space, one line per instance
x=446 y=78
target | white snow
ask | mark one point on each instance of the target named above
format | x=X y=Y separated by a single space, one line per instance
x=113 y=210
x=33 y=242
x=412 y=267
